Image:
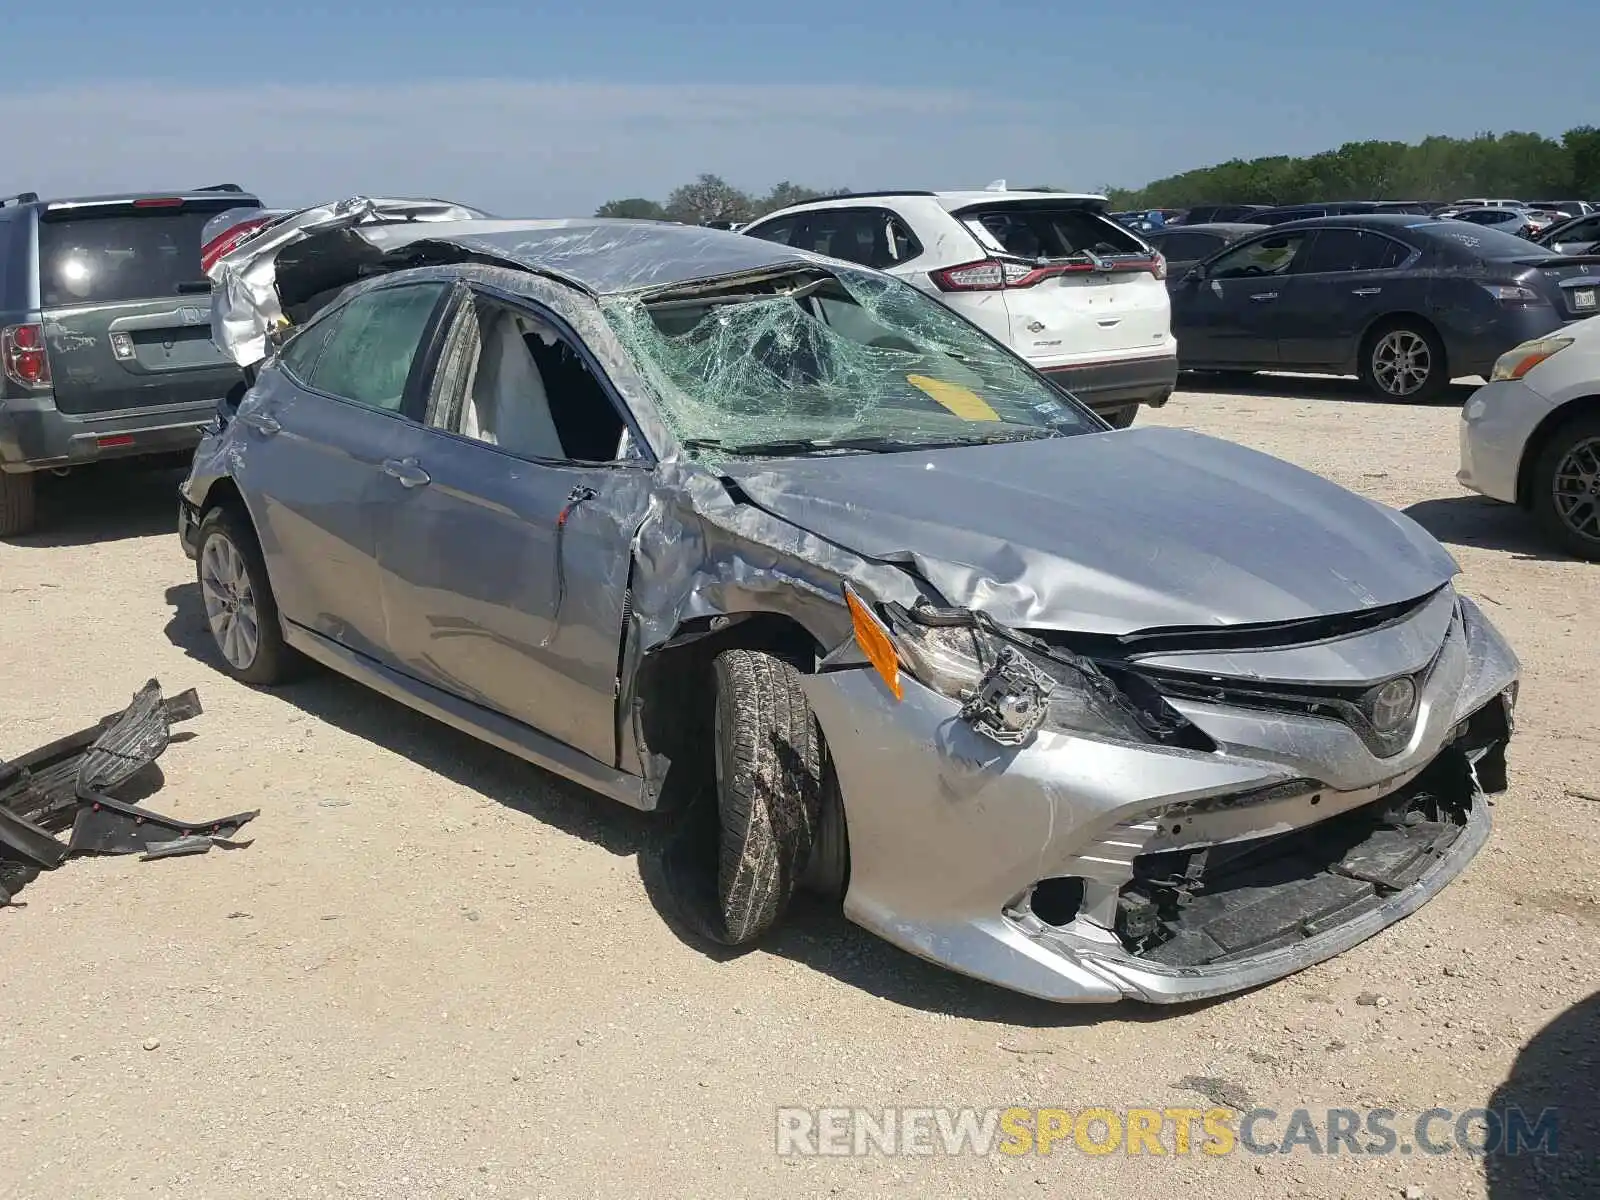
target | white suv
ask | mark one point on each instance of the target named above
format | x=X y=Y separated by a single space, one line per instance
x=1047 y=273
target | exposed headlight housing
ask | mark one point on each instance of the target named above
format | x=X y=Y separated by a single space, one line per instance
x=1518 y=361
x=1009 y=684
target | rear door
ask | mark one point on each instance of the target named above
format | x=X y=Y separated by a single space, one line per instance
x=126 y=307
x=1343 y=280
x=1094 y=296
x=319 y=426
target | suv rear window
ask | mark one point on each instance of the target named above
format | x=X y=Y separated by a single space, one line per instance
x=1040 y=231
x=122 y=254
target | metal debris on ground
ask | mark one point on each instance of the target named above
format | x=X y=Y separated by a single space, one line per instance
x=71 y=786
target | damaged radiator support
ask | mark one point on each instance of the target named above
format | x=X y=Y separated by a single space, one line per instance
x=73 y=784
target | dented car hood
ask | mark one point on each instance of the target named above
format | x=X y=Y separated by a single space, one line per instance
x=1111 y=533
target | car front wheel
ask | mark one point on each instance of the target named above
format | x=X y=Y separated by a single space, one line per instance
x=1405 y=362
x=768 y=761
x=240 y=610
x=1566 y=486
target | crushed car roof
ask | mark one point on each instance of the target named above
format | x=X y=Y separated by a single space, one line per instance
x=605 y=257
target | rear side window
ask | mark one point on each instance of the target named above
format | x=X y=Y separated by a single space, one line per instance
x=1187 y=247
x=1353 y=250
x=367 y=355
x=1049 y=232
x=127 y=254
x=872 y=237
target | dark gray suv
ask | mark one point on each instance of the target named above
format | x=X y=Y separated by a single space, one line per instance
x=105 y=333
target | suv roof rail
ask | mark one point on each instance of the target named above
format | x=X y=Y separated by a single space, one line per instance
x=222 y=187
x=19 y=198
x=868 y=195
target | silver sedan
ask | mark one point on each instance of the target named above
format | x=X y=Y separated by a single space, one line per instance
x=706 y=523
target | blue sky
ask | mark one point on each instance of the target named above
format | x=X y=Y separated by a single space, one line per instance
x=548 y=109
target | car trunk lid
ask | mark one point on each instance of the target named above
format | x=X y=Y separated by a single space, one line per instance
x=125 y=306
x=1079 y=287
x=1572 y=282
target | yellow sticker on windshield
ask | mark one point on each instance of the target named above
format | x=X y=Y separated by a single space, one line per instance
x=964 y=402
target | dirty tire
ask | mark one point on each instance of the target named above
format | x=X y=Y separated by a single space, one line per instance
x=1120 y=418
x=1438 y=376
x=1578 y=530
x=769 y=785
x=273 y=660
x=18 y=505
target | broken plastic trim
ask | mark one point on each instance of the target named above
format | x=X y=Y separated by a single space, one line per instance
x=71 y=784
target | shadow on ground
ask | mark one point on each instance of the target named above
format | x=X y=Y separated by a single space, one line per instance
x=1486 y=525
x=1555 y=1075
x=1308 y=387
x=106 y=502
x=814 y=934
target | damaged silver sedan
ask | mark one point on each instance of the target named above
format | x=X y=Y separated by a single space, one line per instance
x=697 y=519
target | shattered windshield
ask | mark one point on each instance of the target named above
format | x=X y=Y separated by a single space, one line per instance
x=839 y=361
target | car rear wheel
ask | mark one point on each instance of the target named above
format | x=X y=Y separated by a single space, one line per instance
x=17 y=504
x=1566 y=486
x=240 y=610
x=768 y=763
x=1405 y=362
x=1120 y=418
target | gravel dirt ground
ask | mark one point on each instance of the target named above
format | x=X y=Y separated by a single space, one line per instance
x=440 y=972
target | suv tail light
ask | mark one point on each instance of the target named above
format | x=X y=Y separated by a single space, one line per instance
x=228 y=240
x=23 y=355
x=995 y=275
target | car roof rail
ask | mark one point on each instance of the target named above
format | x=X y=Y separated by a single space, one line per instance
x=19 y=198
x=222 y=187
x=869 y=195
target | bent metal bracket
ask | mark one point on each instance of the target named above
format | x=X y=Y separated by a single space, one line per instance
x=75 y=785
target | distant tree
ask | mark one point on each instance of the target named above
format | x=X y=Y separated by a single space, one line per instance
x=708 y=198
x=1583 y=162
x=1529 y=165
x=635 y=209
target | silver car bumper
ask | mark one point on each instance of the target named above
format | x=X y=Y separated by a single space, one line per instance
x=1496 y=423
x=950 y=834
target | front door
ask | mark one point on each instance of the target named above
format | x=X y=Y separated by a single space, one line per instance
x=504 y=543
x=320 y=423
x=1230 y=316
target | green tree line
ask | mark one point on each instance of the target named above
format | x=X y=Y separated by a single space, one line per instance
x=1527 y=166
x=711 y=198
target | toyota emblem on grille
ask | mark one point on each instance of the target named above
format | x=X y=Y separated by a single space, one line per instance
x=1389 y=704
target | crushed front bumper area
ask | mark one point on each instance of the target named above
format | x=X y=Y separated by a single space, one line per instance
x=74 y=784
x=1083 y=869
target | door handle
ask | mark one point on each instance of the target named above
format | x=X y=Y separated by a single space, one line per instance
x=1365 y=291
x=263 y=423
x=1260 y=296
x=406 y=471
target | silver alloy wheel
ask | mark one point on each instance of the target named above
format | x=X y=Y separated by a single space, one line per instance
x=230 y=601
x=1401 y=362
x=1575 y=489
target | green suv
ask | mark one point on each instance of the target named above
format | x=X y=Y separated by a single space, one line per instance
x=105 y=333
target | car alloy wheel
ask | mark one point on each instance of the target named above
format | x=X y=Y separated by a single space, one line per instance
x=1402 y=362
x=1575 y=489
x=230 y=601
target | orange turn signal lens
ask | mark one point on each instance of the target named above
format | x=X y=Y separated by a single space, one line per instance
x=873 y=638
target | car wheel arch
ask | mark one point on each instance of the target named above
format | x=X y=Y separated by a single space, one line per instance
x=1392 y=320
x=1540 y=438
x=682 y=668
